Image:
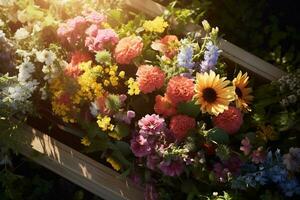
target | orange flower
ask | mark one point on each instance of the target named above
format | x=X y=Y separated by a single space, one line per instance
x=150 y=78
x=128 y=48
x=168 y=45
x=163 y=106
x=180 y=89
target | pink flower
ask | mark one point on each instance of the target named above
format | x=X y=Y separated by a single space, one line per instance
x=151 y=124
x=96 y=18
x=180 y=125
x=246 y=146
x=140 y=146
x=92 y=30
x=73 y=29
x=180 y=89
x=104 y=37
x=128 y=48
x=171 y=167
x=168 y=45
x=150 y=78
x=164 y=106
x=230 y=120
x=258 y=156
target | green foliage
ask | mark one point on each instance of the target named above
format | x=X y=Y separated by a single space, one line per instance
x=218 y=136
x=189 y=108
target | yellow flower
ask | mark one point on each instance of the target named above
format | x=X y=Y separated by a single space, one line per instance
x=104 y=123
x=113 y=163
x=157 y=25
x=133 y=87
x=213 y=93
x=122 y=74
x=85 y=141
x=243 y=97
x=267 y=133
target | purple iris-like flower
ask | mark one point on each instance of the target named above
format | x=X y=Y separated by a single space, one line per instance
x=185 y=57
x=152 y=161
x=171 y=167
x=151 y=124
x=211 y=56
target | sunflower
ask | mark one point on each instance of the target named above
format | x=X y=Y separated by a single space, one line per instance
x=213 y=93
x=243 y=97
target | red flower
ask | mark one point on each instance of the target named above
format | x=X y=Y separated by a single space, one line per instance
x=163 y=106
x=180 y=125
x=230 y=120
x=77 y=57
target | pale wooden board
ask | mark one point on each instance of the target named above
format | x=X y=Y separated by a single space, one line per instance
x=232 y=52
x=76 y=167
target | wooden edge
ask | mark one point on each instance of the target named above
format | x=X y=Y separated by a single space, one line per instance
x=232 y=52
x=76 y=167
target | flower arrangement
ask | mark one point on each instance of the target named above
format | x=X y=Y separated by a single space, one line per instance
x=158 y=106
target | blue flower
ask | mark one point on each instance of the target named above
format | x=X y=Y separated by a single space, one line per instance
x=211 y=56
x=185 y=56
x=290 y=187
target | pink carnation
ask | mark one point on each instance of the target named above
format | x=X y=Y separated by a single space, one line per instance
x=180 y=89
x=128 y=48
x=140 y=146
x=96 y=18
x=230 y=120
x=180 y=125
x=104 y=37
x=150 y=78
x=73 y=29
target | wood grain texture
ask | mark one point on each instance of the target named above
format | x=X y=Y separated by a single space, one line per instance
x=76 y=167
x=234 y=53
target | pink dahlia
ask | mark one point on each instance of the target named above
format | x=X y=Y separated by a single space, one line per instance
x=163 y=106
x=180 y=89
x=128 y=48
x=73 y=29
x=150 y=78
x=151 y=124
x=180 y=125
x=230 y=120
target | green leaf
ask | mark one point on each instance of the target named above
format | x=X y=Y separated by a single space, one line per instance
x=189 y=108
x=218 y=136
x=123 y=147
x=97 y=144
x=189 y=187
x=113 y=102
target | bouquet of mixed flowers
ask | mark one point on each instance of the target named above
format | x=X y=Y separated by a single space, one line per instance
x=164 y=109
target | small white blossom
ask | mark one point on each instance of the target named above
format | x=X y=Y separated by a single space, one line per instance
x=45 y=56
x=94 y=109
x=21 y=34
x=43 y=93
x=25 y=71
x=1 y=23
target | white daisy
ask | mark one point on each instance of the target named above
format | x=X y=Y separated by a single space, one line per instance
x=21 y=34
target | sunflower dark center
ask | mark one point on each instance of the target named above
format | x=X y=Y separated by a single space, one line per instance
x=209 y=95
x=238 y=91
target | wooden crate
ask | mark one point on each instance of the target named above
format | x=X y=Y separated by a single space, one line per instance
x=95 y=177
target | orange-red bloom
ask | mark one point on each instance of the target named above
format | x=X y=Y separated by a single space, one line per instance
x=163 y=106
x=180 y=89
x=128 y=48
x=180 y=125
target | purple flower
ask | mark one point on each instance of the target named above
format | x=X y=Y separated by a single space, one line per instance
x=151 y=124
x=185 y=56
x=211 y=56
x=171 y=167
x=292 y=159
x=150 y=192
x=140 y=146
x=152 y=161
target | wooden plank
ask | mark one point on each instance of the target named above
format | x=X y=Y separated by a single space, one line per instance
x=76 y=167
x=232 y=52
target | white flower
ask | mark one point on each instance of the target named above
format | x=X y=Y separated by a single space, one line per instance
x=94 y=109
x=7 y=3
x=18 y=93
x=43 y=93
x=31 y=85
x=25 y=54
x=25 y=71
x=2 y=34
x=21 y=34
x=45 y=56
x=36 y=28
